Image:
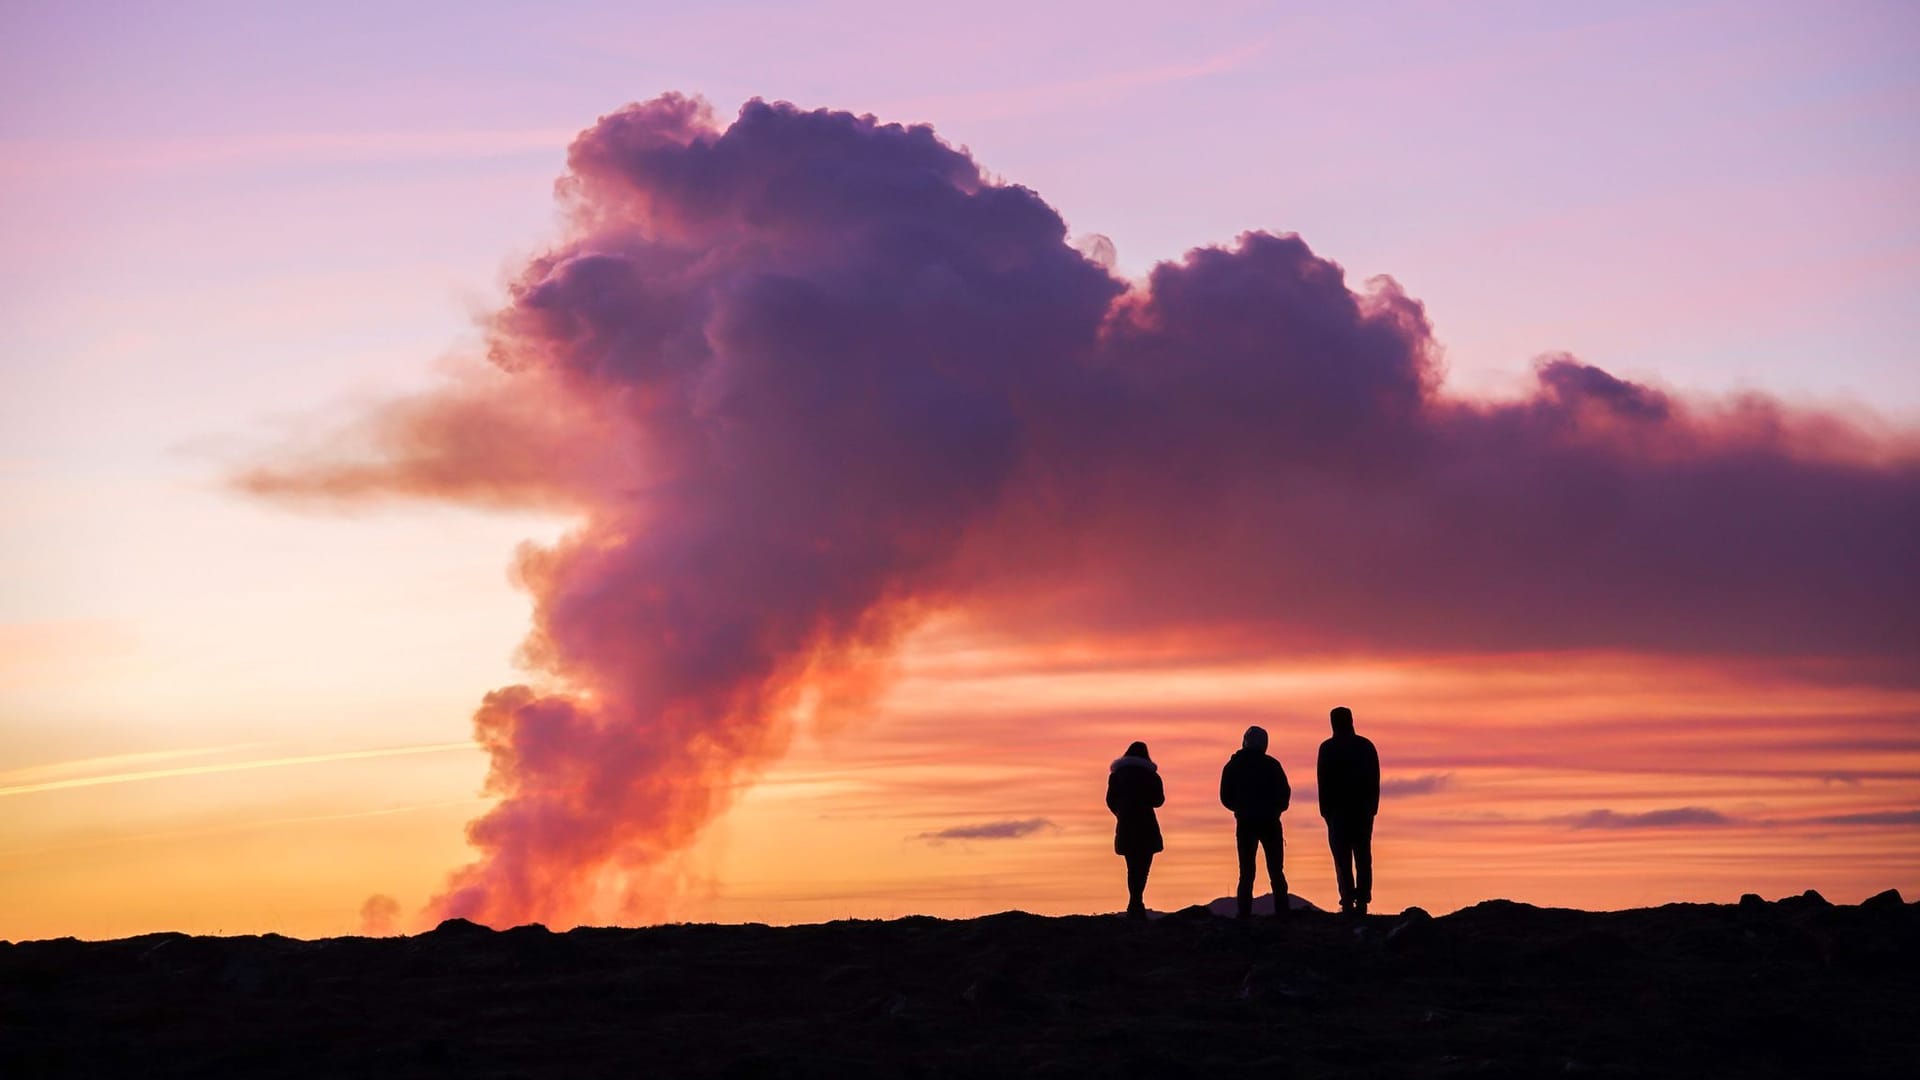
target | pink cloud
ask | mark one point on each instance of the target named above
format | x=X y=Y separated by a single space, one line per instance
x=808 y=378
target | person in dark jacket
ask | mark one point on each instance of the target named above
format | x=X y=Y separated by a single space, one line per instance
x=1134 y=791
x=1349 y=775
x=1254 y=787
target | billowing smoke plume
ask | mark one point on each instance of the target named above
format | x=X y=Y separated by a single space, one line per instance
x=807 y=378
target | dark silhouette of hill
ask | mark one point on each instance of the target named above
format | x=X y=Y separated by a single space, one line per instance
x=1227 y=907
x=1795 y=987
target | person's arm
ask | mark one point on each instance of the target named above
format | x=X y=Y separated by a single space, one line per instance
x=1159 y=792
x=1227 y=795
x=1373 y=780
x=1286 y=789
x=1321 y=774
x=1112 y=803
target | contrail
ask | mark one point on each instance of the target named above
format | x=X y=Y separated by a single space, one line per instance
x=52 y=770
x=232 y=766
x=233 y=827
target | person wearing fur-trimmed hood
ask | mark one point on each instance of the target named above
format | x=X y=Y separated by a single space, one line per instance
x=1134 y=791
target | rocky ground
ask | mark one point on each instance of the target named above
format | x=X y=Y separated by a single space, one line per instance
x=1797 y=987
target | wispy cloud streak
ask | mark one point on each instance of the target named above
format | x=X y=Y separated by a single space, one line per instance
x=48 y=158
x=1894 y=818
x=138 y=775
x=1678 y=817
x=991 y=830
x=106 y=764
x=1399 y=787
x=251 y=824
x=1084 y=92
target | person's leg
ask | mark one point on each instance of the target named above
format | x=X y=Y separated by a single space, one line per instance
x=1138 y=866
x=1341 y=844
x=1363 y=863
x=1245 y=839
x=1275 y=844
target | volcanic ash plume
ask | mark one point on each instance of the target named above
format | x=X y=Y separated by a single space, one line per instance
x=807 y=378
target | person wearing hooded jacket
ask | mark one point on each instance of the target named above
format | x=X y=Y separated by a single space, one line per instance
x=1348 y=772
x=1255 y=788
x=1134 y=791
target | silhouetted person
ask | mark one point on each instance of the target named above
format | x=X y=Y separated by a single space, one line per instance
x=1349 y=777
x=1133 y=791
x=1254 y=787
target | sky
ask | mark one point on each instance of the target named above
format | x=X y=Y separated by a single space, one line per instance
x=235 y=228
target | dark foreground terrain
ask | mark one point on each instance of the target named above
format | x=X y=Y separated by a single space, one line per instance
x=1792 y=988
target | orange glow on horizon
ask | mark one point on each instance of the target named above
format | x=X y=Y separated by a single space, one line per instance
x=1524 y=778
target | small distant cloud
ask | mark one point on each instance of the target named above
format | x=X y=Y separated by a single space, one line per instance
x=1845 y=779
x=1416 y=785
x=1679 y=816
x=379 y=916
x=1886 y=817
x=989 y=830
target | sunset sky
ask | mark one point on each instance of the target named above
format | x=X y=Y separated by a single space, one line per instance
x=239 y=676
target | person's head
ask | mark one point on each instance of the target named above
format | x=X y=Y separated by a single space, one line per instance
x=1139 y=750
x=1255 y=739
x=1342 y=718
